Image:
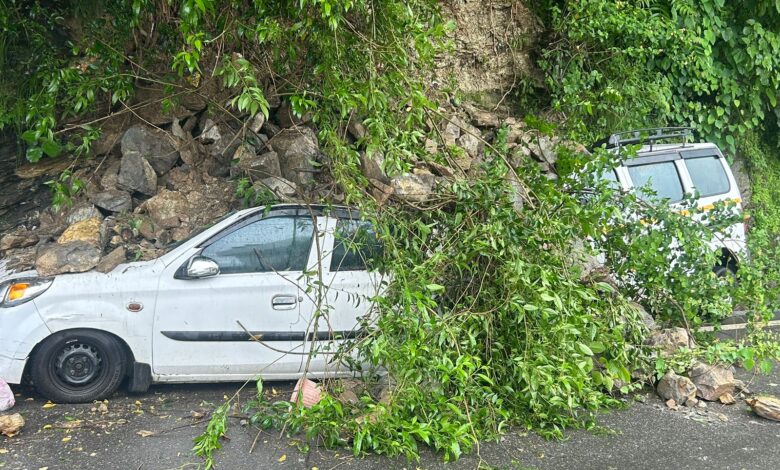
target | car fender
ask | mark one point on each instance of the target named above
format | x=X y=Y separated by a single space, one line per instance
x=121 y=302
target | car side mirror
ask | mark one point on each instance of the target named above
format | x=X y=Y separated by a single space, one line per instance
x=199 y=267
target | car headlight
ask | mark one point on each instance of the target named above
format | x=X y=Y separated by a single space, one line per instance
x=19 y=291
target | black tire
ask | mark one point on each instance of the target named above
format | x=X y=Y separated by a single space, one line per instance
x=725 y=270
x=78 y=366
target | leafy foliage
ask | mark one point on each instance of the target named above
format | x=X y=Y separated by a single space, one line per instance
x=711 y=64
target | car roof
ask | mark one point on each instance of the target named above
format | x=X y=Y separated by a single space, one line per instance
x=340 y=211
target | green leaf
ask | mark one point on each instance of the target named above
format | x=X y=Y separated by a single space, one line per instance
x=434 y=287
x=34 y=154
x=30 y=137
x=584 y=349
x=51 y=148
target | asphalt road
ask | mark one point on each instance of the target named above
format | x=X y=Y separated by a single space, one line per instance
x=645 y=435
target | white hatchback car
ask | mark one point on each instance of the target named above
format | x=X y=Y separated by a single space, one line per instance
x=673 y=170
x=234 y=302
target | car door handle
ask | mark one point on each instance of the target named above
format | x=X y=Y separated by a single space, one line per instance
x=284 y=302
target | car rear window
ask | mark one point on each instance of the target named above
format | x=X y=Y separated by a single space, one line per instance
x=708 y=175
x=661 y=178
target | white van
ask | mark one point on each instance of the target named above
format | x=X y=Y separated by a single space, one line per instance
x=674 y=170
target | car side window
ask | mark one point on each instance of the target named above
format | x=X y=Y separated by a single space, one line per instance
x=708 y=175
x=662 y=178
x=355 y=246
x=267 y=245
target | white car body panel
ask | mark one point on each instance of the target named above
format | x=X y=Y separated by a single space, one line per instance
x=194 y=308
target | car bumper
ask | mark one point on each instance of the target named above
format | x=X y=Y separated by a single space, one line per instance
x=21 y=328
x=11 y=369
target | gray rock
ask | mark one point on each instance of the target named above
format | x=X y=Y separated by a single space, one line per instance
x=74 y=257
x=647 y=319
x=284 y=189
x=450 y=131
x=271 y=129
x=18 y=238
x=296 y=148
x=167 y=208
x=712 y=382
x=156 y=146
x=371 y=166
x=256 y=166
x=211 y=132
x=256 y=123
x=136 y=174
x=413 y=187
x=19 y=259
x=112 y=260
x=669 y=340
x=357 y=129
x=482 y=118
x=110 y=178
x=519 y=195
x=80 y=212
x=113 y=200
x=675 y=387
x=543 y=148
x=287 y=118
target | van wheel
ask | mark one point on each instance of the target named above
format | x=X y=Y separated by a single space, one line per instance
x=78 y=366
x=727 y=270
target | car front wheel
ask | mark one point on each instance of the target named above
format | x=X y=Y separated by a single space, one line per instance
x=78 y=366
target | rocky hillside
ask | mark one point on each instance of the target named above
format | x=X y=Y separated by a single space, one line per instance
x=158 y=176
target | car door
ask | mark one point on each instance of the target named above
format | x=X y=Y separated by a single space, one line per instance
x=349 y=287
x=205 y=328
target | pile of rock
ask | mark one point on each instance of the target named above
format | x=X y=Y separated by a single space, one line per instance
x=161 y=175
x=700 y=382
x=157 y=181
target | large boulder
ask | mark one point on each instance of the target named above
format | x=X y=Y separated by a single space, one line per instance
x=676 y=387
x=167 y=208
x=458 y=133
x=19 y=259
x=296 y=148
x=156 y=146
x=18 y=238
x=74 y=257
x=91 y=231
x=669 y=340
x=414 y=187
x=283 y=189
x=112 y=260
x=110 y=178
x=371 y=165
x=712 y=382
x=256 y=166
x=80 y=212
x=136 y=174
x=113 y=200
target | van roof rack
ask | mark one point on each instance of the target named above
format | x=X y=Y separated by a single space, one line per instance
x=652 y=135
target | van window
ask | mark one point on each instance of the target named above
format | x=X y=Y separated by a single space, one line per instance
x=662 y=178
x=708 y=175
